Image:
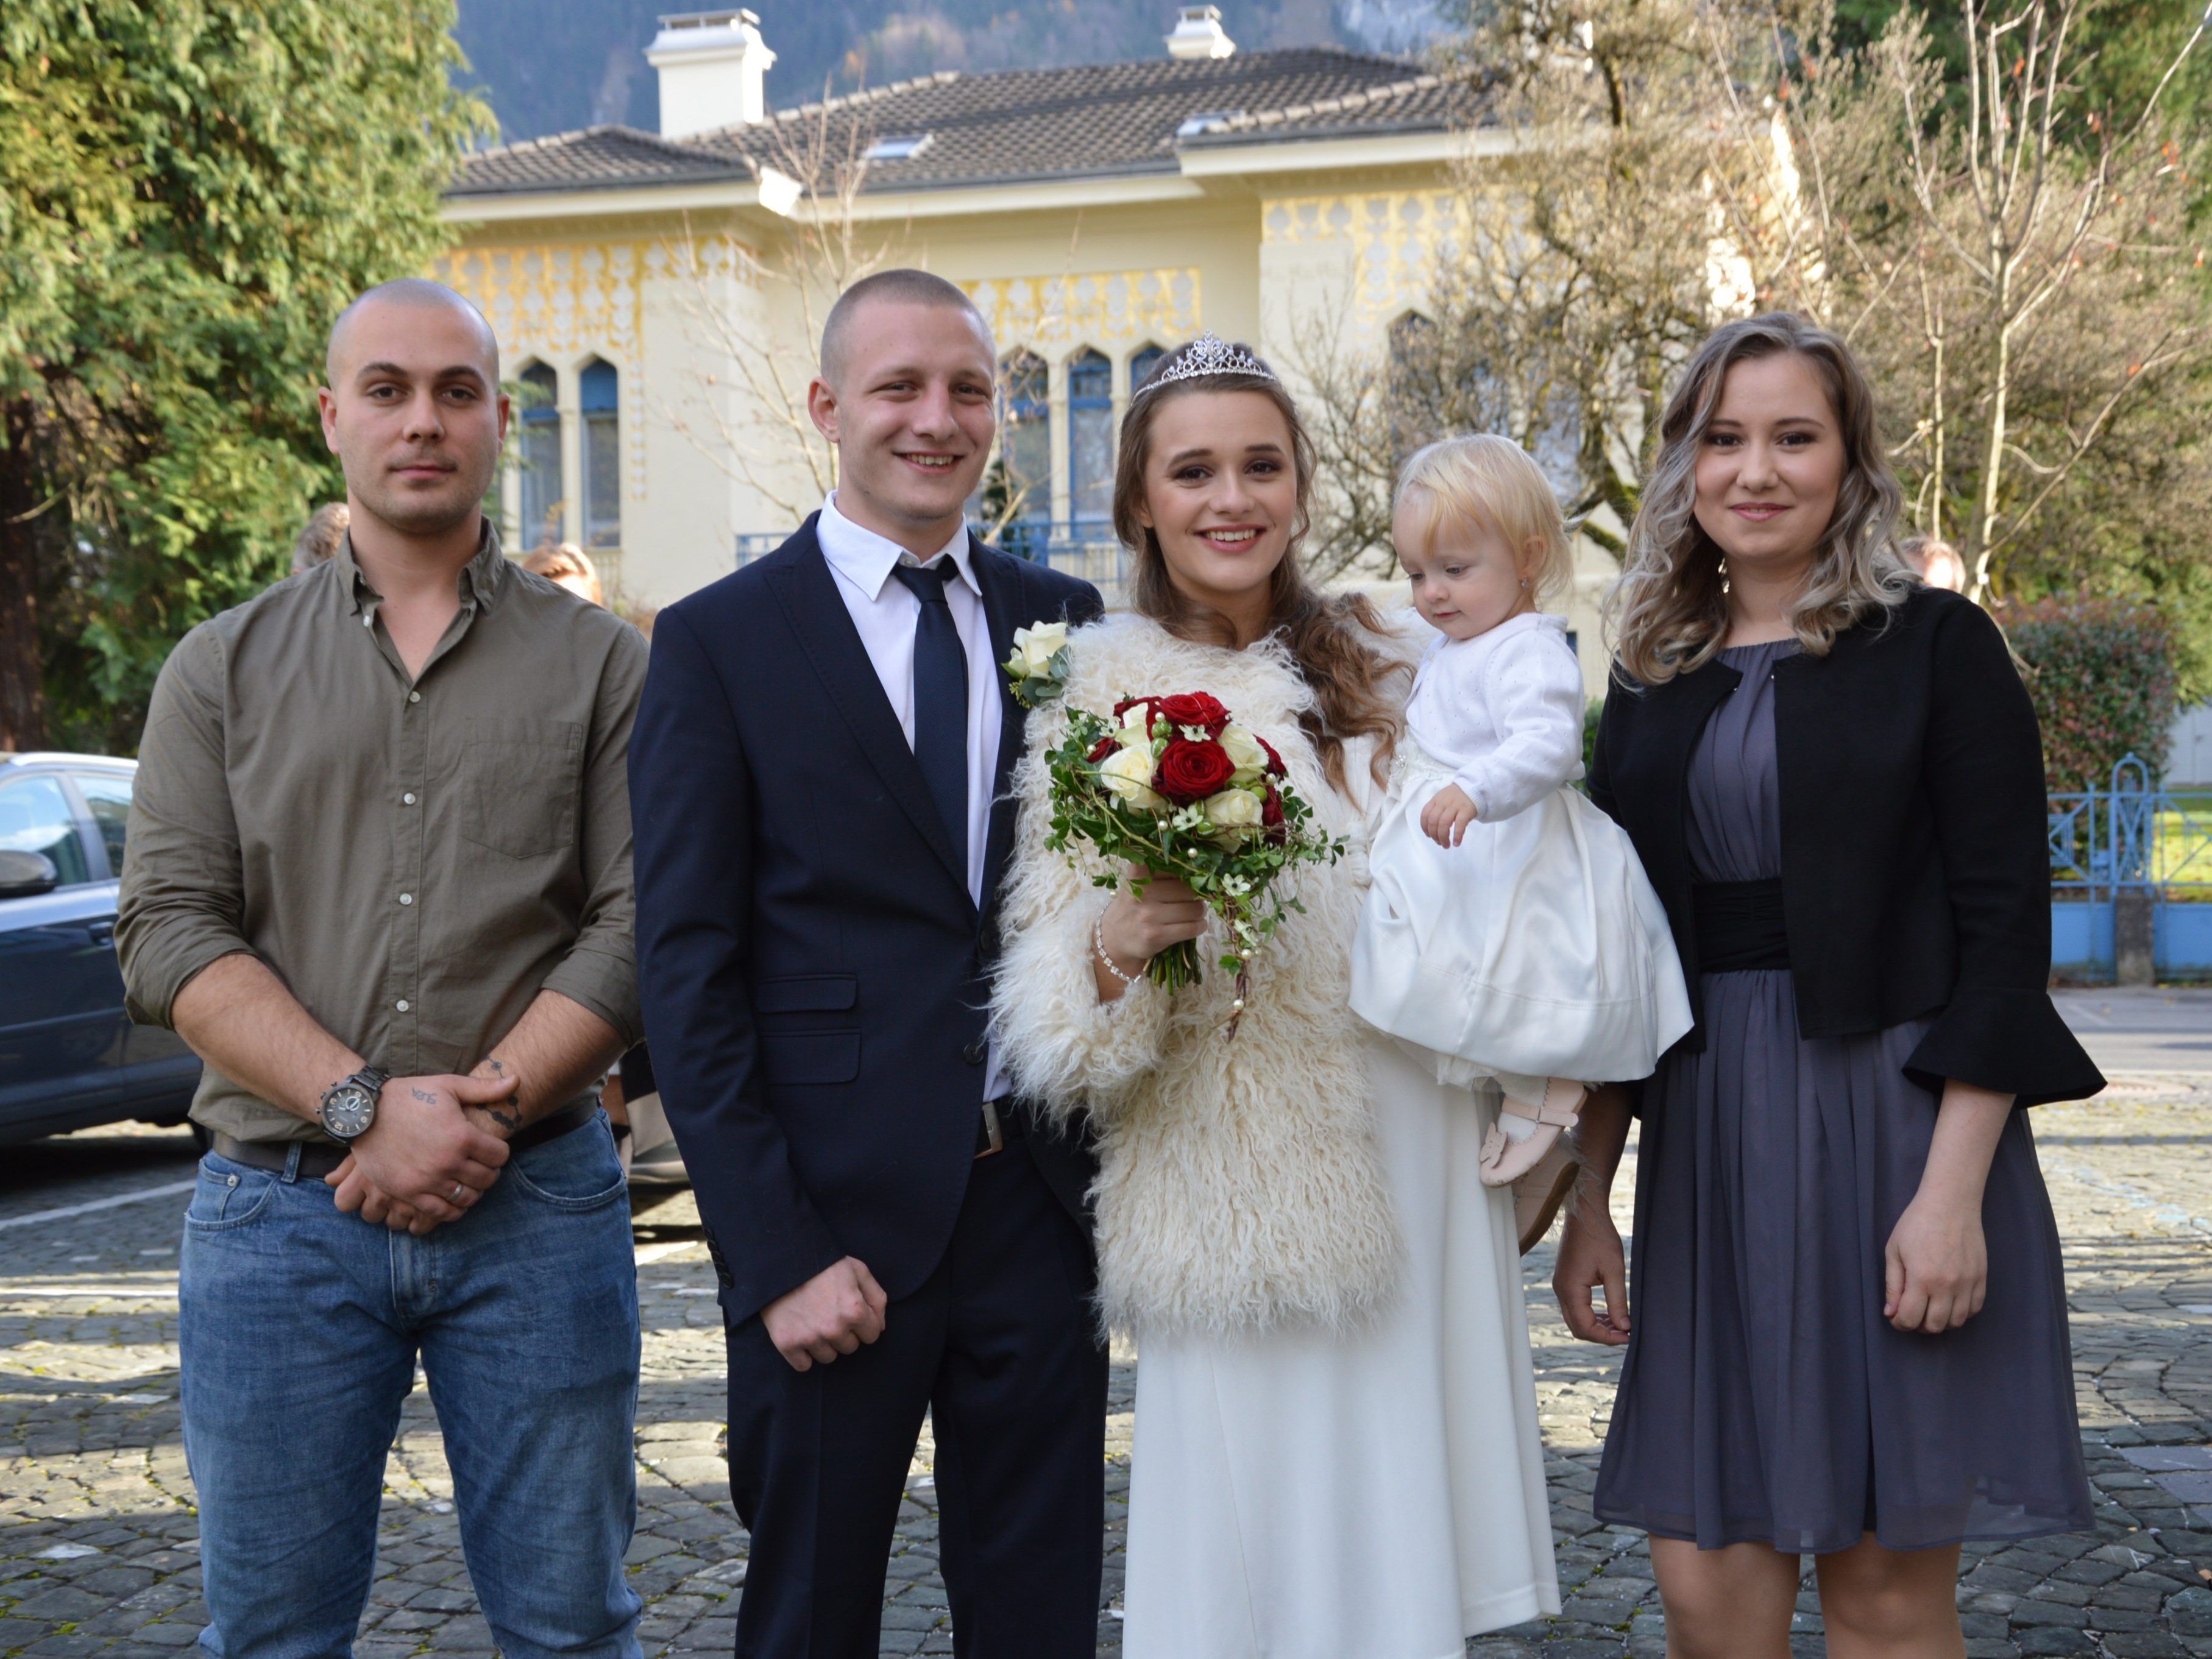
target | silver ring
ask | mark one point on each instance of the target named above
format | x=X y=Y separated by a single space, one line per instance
x=457 y=1190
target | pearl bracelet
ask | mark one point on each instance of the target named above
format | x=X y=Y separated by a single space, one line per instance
x=1098 y=943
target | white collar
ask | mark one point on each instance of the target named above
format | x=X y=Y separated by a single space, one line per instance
x=1508 y=628
x=866 y=559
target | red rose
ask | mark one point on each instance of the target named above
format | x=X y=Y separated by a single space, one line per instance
x=1274 y=760
x=1102 y=748
x=1145 y=703
x=1270 y=809
x=1193 y=708
x=1191 y=771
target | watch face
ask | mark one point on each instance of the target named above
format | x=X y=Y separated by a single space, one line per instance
x=348 y=1111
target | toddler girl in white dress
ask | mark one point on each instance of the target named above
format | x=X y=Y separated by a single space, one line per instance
x=1509 y=930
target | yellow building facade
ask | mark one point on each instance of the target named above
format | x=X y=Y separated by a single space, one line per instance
x=660 y=297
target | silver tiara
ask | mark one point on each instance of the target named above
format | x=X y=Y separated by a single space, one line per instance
x=1209 y=354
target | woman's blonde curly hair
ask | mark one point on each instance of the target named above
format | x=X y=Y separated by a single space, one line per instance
x=1668 y=613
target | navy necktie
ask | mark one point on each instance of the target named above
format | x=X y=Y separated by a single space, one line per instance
x=940 y=697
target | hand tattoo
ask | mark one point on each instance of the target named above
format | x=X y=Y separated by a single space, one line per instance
x=426 y=1097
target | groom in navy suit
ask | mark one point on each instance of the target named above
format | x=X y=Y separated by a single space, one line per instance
x=817 y=783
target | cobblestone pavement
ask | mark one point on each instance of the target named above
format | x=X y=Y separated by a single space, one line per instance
x=98 y=1539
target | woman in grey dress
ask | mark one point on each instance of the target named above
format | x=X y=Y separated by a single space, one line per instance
x=1850 y=1332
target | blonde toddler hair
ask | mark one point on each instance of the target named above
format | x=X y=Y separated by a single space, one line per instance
x=1492 y=482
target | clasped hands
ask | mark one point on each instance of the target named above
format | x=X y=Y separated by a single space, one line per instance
x=436 y=1147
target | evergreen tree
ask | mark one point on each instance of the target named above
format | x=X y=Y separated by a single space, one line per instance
x=190 y=191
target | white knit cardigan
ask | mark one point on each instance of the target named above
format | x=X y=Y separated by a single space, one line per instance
x=1240 y=1186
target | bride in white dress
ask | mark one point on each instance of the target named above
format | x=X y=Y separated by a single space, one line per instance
x=1336 y=1450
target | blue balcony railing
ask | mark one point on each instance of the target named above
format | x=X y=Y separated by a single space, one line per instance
x=1087 y=552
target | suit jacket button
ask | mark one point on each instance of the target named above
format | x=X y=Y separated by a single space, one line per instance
x=974 y=1053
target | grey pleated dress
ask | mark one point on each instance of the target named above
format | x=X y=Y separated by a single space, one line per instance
x=1764 y=1397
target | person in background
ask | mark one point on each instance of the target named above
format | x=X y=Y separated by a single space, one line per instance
x=321 y=536
x=1937 y=562
x=569 y=566
x=647 y=1146
x=380 y=880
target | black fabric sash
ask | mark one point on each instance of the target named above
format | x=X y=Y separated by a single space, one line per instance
x=1740 y=926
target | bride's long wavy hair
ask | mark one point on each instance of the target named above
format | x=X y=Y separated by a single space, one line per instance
x=1332 y=636
x=1668 y=613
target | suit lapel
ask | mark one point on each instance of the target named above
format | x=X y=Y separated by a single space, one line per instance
x=1005 y=609
x=818 y=616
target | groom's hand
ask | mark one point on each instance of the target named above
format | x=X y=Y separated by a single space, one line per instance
x=831 y=1314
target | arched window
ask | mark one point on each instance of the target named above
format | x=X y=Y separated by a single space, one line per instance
x=1142 y=365
x=1026 y=444
x=599 y=388
x=539 y=447
x=1091 y=438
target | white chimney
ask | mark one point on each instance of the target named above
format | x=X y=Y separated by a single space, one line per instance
x=1198 y=35
x=711 y=65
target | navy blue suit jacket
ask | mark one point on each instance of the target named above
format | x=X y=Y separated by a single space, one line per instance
x=813 y=971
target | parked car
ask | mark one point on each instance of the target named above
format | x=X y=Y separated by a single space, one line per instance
x=70 y=1057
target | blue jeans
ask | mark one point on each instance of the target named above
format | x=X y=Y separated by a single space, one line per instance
x=300 y=1329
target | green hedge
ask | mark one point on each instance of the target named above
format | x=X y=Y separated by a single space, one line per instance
x=2101 y=672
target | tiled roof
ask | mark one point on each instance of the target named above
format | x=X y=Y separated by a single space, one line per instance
x=1016 y=124
x=603 y=156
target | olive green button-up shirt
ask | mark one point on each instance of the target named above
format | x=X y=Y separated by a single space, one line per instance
x=415 y=860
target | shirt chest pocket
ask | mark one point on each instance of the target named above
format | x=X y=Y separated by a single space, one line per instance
x=519 y=781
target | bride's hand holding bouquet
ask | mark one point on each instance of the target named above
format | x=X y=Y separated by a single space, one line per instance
x=1196 y=810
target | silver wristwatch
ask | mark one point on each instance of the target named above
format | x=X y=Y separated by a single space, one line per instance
x=349 y=1106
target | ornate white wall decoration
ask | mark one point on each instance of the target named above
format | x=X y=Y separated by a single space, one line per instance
x=1098 y=307
x=1395 y=237
x=558 y=300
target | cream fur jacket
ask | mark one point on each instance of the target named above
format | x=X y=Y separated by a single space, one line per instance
x=1240 y=1185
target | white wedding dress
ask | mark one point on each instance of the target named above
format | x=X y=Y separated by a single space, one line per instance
x=1318 y=1495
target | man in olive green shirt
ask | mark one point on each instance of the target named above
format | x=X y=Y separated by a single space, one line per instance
x=379 y=878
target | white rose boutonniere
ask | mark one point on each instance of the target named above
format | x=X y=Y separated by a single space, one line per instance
x=1037 y=670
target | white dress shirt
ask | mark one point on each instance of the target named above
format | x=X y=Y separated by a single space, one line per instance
x=885 y=612
x=1504 y=711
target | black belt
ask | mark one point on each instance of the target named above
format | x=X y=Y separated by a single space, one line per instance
x=318 y=1158
x=1740 y=926
x=1000 y=1122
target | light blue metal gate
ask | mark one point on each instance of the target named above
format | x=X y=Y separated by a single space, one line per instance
x=2132 y=839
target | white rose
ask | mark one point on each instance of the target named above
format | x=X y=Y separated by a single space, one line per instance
x=1232 y=811
x=1244 y=753
x=1128 y=773
x=1138 y=717
x=1035 y=647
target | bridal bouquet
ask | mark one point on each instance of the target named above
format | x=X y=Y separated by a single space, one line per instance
x=1175 y=786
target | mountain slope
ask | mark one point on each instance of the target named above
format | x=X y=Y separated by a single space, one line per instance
x=553 y=65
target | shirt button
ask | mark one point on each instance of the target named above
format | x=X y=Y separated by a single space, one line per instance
x=407 y=898
x=401 y=1005
x=407 y=800
x=414 y=697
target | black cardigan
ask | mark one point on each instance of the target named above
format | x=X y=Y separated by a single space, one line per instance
x=1916 y=876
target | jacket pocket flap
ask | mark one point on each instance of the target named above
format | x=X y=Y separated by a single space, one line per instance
x=806 y=993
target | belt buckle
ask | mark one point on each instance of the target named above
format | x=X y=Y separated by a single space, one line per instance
x=995 y=1135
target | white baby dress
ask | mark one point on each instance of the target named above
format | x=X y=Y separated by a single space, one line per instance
x=1537 y=945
